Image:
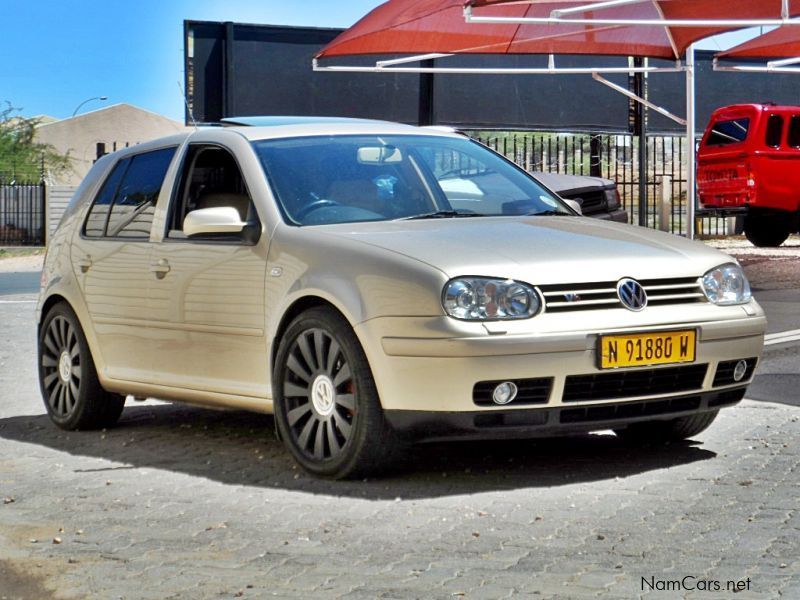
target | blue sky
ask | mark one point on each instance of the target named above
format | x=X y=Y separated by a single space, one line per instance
x=55 y=54
x=58 y=53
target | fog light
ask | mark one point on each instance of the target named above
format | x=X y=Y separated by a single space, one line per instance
x=740 y=370
x=504 y=393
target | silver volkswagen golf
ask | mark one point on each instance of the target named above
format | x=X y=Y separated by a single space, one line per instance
x=375 y=284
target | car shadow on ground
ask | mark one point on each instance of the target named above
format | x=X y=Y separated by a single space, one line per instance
x=241 y=448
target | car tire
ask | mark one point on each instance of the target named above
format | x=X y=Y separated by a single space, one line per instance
x=71 y=391
x=660 y=432
x=767 y=231
x=326 y=404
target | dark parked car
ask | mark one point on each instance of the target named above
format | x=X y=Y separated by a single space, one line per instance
x=598 y=197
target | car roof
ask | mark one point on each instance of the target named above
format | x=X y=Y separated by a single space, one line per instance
x=263 y=127
x=278 y=121
x=733 y=108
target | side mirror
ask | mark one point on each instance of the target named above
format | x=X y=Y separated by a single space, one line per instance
x=574 y=205
x=221 y=219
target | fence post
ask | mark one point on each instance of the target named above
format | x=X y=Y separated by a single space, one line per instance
x=665 y=204
x=595 y=156
x=45 y=233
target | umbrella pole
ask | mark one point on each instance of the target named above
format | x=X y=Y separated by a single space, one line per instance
x=691 y=152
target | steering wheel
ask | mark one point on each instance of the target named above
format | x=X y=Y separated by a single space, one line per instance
x=317 y=204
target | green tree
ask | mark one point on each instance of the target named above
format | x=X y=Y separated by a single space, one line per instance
x=22 y=158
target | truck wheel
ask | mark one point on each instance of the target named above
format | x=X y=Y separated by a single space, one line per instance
x=766 y=231
x=326 y=405
x=660 y=432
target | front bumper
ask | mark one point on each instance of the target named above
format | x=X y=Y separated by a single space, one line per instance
x=432 y=365
x=414 y=425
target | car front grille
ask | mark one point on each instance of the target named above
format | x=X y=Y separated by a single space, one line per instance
x=630 y=410
x=639 y=382
x=591 y=201
x=593 y=296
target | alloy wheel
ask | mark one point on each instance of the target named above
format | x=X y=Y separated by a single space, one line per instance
x=319 y=394
x=61 y=366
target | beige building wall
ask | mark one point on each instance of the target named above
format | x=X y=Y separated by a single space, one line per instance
x=120 y=124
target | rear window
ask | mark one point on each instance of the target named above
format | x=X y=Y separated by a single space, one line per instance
x=774 y=131
x=733 y=131
x=126 y=204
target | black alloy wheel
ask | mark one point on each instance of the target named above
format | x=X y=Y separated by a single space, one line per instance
x=326 y=404
x=71 y=391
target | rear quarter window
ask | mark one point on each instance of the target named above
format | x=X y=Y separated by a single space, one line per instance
x=731 y=131
x=95 y=226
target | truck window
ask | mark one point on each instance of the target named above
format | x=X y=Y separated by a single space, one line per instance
x=774 y=131
x=794 y=132
x=732 y=131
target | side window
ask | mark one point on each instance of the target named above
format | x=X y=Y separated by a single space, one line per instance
x=211 y=178
x=774 y=131
x=95 y=225
x=724 y=133
x=134 y=204
x=794 y=132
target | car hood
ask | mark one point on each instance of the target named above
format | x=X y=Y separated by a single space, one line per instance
x=566 y=183
x=539 y=250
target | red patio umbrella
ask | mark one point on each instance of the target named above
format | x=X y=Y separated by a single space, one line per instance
x=780 y=43
x=416 y=27
x=649 y=28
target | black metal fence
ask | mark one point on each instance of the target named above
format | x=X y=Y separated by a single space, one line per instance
x=22 y=214
x=615 y=157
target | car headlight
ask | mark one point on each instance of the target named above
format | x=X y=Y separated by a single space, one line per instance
x=486 y=299
x=612 y=198
x=726 y=285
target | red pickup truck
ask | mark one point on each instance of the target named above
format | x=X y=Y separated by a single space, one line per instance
x=749 y=165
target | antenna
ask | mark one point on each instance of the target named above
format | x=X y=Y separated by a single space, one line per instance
x=188 y=108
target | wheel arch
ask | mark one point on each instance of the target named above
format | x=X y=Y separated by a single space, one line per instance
x=49 y=303
x=88 y=332
x=296 y=308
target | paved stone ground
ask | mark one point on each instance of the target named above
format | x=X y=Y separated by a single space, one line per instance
x=179 y=502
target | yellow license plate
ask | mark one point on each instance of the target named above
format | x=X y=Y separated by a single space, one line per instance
x=644 y=349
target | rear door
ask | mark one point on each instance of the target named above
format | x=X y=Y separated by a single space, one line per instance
x=723 y=165
x=111 y=260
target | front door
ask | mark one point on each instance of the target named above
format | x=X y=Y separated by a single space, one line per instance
x=208 y=297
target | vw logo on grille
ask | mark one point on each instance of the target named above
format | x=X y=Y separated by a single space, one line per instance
x=631 y=294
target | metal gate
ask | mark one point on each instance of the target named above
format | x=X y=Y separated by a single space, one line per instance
x=615 y=157
x=22 y=214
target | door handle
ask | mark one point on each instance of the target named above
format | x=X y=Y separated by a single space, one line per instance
x=160 y=269
x=85 y=263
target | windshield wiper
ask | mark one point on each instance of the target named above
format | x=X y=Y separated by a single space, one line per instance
x=548 y=213
x=440 y=214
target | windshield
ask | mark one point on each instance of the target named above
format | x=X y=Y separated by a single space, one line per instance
x=344 y=179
